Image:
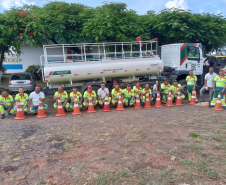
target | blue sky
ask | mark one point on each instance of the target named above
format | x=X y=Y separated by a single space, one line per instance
x=141 y=6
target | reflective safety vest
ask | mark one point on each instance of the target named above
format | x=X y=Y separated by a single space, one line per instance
x=86 y=95
x=147 y=91
x=220 y=81
x=175 y=88
x=72 y=96
x=7 y=100
x=116 y=93
x=165 y=88
x=128 y=93
x=191 y=80
x=23 y=98
x=135 y=89
x=63 y=95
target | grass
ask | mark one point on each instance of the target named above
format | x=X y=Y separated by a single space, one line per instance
x=193 y=148
x=201 y=168
x=194 y=135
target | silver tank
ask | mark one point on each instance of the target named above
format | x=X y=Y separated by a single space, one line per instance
x=109 y=68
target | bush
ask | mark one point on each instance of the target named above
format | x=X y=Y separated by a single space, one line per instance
x=33 y=69
x=3 y=69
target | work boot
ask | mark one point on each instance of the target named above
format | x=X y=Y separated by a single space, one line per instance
x=25 y=113
x=3 y=116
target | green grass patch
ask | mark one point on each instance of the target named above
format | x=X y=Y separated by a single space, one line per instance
x=194 y=135
x=193 y=147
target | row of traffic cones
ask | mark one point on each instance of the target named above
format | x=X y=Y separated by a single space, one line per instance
x=60 y=111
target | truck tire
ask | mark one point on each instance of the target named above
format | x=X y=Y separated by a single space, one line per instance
x=184 y=86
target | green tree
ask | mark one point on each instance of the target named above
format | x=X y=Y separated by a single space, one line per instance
x=112 y=22
x=63 y=21
x=18 y=27
x=176 y=25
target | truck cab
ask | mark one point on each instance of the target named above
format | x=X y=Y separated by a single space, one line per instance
x=180 y=58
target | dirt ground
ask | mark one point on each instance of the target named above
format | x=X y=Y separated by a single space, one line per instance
x=157 y=146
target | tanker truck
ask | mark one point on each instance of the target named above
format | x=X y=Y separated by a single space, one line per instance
x=85 y=64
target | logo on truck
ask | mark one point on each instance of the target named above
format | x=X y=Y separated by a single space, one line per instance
x=12 y=60
x=68 y=72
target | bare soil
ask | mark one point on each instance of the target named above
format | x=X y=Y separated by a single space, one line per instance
x=169 y=145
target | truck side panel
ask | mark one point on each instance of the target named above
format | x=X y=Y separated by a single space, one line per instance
x=170 y=55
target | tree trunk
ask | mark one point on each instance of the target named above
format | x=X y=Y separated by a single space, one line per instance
x=2 y=57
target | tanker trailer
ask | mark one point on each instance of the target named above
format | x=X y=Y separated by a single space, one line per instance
x=71 y=65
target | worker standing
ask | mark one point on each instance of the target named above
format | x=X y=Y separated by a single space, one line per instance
x=146 y=91
x=209 y=78
x=191 y=84
x=86 y=95
x=24 y=98
x=115 y=95
x=63 y=98
x=6 y=103
x=102 y=92
x=75 y=94
x=128 y=94
x=219 y=85
x=165 y=87
x=34 y=100
x=175 y=89
x=136 y=89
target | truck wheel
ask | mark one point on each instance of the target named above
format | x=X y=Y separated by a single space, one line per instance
x=184 y=86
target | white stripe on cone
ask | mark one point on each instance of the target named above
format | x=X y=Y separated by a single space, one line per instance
x=75 y=105
x=169 y=98
x=60 y=107
x=137 y=100
x=19 y=109
x=75 y=99
x=90 y=104
x=147 y=99
x=179 y=98
x=106 y=103
x=157 y=98
x=18 y=103
x=40 y=107
x=218 y=101
x=120 y=102
x=193 y=97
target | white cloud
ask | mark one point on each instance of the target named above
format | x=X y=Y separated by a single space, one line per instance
x=201 y=10
x=183 y=4
x=10 y=3
x=219 y=11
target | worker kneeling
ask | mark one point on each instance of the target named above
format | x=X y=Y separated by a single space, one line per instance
x=165 y=87
x=102 y=92
x=75 y=94
x=146 y=91
x=86 y=95
x=34 y=100
x=6 y=103
x=219 y=86
x=115 y=95
x=128 y=94
x=63 y=98
x=175 y=89
x=23 y=97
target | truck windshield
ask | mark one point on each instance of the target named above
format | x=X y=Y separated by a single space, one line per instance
x=193 y=53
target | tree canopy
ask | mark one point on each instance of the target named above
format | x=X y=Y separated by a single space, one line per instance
x=61 y=22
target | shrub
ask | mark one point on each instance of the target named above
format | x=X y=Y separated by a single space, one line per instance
x=33 y=69
x=3 y=69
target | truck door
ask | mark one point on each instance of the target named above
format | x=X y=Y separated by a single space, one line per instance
x=194 y=58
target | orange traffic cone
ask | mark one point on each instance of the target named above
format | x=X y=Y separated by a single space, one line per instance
x=106 y=105
x=158 y=101
x=147 y=102
x=120 y=104
x=19 y=112
x=76 y=110
x=60 y=109
x=193 y=100
x=41 y=112
x=169 y=100
x=137 y=104
x=218 y=105
x=178 y=101
x=90 y=106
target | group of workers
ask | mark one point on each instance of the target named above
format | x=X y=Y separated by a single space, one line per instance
x=213 y=83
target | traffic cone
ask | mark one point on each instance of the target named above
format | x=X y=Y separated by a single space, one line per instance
x=178 y=101
x=218 y=105
x=90 y=106
x=106 y=105
x=137 y=104
x=120 y=104
x=147 y=102
x=193 y=100
x=169 y=100
x=41 y=112
x=60 y=109
x=76 y=110
x=158 y=101
x=19 y=112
